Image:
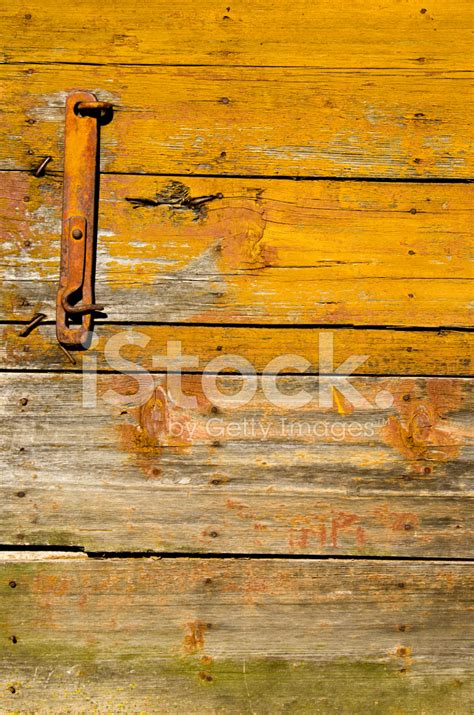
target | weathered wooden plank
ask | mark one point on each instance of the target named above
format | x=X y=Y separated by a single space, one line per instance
x=257 y=479
x=239 y=636
x=323 y=34
x=267 y=252
x=388 y=352
x=247 y=121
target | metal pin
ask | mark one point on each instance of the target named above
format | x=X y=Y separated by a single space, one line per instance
x=92 y=106
x=40 y=170
x=67 y=354
x=36 y=320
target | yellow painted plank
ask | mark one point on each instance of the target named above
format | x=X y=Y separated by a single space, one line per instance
x=269 y=251
x=392 y=352
x=326 y=34
x=85 y=461
x=247 y=121
x=224 y=636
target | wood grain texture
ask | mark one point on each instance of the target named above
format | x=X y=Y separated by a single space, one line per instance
x=267 y=252
x=258 y=479
x=387 y=352
x=201 y=636
x=248 y=121
x=329 y=33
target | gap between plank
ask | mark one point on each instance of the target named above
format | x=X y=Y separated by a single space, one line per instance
x=268 y=326
x=409 y=71
x=264 y=177
x=282 y=373
x=223 y=555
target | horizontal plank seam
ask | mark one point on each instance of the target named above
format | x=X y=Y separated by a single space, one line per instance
x=225 y=555
x=322 y=68
x=267 y=326
x=277 y=177
x=282 y=373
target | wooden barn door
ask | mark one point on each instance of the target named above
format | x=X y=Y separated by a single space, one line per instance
x=250 y=493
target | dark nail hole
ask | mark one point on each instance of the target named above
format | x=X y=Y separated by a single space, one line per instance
x=12 y=584
x=411 y=253
x=401 y=585
x=214 y=410
x=14 y=639
x=206 y=676
x=12 y=689
x=406 y=398
x=427 y=470
x=224 y=100
x=216 y=482
x=408 y=527
x=402 y=628
x=423 y=10
x=21 y=494
x=24 y=401
x=413 y=211
x=213 y=534
x=410 y=295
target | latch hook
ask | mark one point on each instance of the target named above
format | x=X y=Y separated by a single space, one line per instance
x=76 y=284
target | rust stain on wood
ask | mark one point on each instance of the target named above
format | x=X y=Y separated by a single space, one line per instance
x=194 y=640
x=418 y=432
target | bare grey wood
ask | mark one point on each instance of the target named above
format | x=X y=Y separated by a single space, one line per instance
x=260 y=479
x=227 y=636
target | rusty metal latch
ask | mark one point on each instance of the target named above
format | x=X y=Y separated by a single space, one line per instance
x=75 y=299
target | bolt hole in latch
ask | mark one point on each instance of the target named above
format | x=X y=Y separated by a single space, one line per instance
x=75 y=304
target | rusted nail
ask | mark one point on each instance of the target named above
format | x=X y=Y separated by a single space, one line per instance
x=36 y=320
x=199 y=200
x=40 y=170
x=67 y=354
